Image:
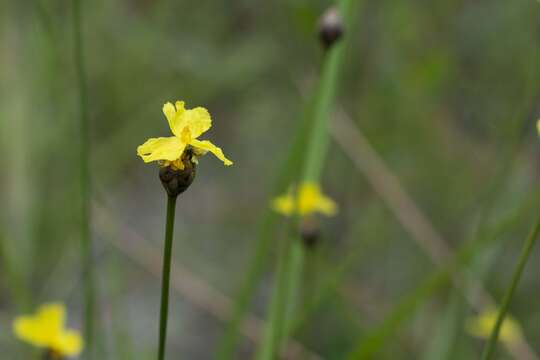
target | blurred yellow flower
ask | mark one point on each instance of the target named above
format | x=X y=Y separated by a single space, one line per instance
x=538 y=126
x=46 y=329
x=310 y=200
x=186 y=125
x=482 y=324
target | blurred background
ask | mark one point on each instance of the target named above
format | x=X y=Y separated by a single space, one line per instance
x=445 y=93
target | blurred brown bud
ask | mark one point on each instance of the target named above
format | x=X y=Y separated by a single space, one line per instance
x=330 y=27
x=176 y=181
x=51 y=355
x=310 y=232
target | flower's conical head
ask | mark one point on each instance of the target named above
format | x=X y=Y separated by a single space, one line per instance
x=176 y=181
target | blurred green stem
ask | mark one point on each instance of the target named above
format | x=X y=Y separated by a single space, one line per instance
x=265 y=234
x=165 y=276
x=294 y=283
x=320 y=111
x=327 y=91
x=12 y=277
x=84 y=163
x=271 y=342
x=317 y=149
x=369 y=344
x=527 y=248
x=318 y=142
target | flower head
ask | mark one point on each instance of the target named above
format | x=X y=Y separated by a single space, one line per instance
x=46 y=329
x=186 y=125
x=330 y=27
x=481 y=326
x=538 y=126
x=309 y=200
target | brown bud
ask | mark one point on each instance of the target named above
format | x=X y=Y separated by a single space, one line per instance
x=51 y=355
x=176 y=181
x=330 y=27
x=310 y=232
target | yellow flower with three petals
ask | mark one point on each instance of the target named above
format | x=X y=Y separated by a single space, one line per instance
x=309 y=199
x=482 y=324
x=46 y=329
x=186 y=125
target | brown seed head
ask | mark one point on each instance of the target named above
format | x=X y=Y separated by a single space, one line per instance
x=176 y=181
x=310 y=232
x=330 y=27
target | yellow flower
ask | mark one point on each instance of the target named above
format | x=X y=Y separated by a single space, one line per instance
x=46 y=329
x=186 y=125
x=310 y=200
x=538 y=126
x=482 y=325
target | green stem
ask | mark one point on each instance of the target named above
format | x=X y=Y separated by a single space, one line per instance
x=316 y=151
x=266 y=228
x=274 y=332
x=13 y=277
x=165 y=276
x=527 y=248
x=290 y=264
x=294 y=283
x=327 y=91
x=369 y=344
x=86 y=241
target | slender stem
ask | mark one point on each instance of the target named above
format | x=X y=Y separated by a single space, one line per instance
x=166 y=272
x=274 y=331
x=265 y=233
x=527 y=248
x=293 y=284
x=84 y=140
x=290 y=264
x=13 y=277
x=316 y=150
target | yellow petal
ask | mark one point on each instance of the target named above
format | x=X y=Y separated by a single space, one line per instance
x=538 y=126
x=170 y=148
x=207 y=145
x=185 y=135
x=482 y=325
x=170 y=112
x=311 y=199
x=174 y=115
x=45 y=329
x=326 y=205
x=177 y=164
x=26 y=329
x=197 y=120
x=68 y=343
x=180 y=107
x=52 y=316
x=307 y=198
x=283 y=204
x=41 y=329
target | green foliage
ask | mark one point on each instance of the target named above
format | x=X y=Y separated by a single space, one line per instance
x=446 y=92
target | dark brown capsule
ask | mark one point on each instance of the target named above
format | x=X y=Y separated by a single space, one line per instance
x=51 y=355
x=330 y=27
x=176 y=181
x=310 y=232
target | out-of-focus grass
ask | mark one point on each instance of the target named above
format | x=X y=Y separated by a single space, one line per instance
x=288 y=285
x=441 y=90
x=85 y=177
x=528 y=246
x=266 y=231
x=369 y=344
